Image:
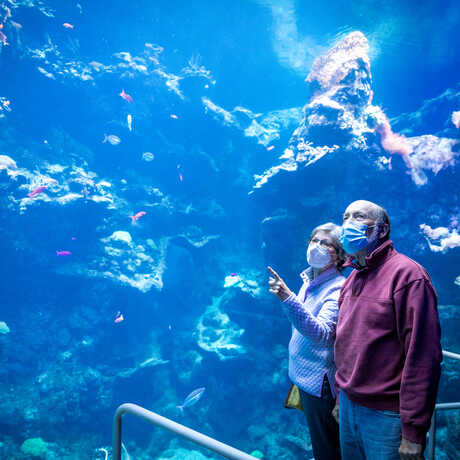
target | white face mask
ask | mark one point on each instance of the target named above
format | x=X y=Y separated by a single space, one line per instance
x=317 y=256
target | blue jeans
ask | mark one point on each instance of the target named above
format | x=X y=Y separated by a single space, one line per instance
x=368 y=434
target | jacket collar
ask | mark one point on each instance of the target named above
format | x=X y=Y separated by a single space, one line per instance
x=307 y=276
x=377 y=257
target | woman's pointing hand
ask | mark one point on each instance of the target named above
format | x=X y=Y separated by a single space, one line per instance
x=277 y=286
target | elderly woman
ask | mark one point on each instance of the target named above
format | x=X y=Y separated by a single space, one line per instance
x=313 y=314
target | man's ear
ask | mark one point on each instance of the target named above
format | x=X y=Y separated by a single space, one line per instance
x=383 y=231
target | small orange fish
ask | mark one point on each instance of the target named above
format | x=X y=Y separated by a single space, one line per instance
x=3 y=38
x=119 y=318
x=1 y=25
x=181 y=178
x=175 y=117
x=270 y=147
x=67 y=25
x=36 y=191
x=137 y=216
x=126 y=96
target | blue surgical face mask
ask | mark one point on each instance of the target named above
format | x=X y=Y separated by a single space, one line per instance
x=353 y=237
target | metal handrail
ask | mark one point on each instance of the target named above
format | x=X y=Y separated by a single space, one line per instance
x=177 y=428
x=441 y=406
x=449 y=354
x=224 y=449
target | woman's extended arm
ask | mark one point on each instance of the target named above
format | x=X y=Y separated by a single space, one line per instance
x=320 y=328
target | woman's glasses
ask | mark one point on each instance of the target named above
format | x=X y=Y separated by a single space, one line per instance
x=324 y=243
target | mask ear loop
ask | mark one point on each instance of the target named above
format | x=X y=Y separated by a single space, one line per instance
x=374 y=236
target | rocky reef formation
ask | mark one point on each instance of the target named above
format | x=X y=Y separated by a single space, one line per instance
x=340 y=120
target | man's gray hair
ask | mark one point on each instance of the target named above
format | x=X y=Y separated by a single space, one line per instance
x=334 y=231
x=381 y=217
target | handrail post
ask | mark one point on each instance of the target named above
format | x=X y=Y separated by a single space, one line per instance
x=168 y=424
x=116 y=432
x=432 y=436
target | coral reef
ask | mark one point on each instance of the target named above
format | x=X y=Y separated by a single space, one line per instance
x=35 y=447
x=218 y=334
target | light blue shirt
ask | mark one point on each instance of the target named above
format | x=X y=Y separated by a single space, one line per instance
x=313 y=313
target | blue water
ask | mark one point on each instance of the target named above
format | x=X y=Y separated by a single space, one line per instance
x=218 y=89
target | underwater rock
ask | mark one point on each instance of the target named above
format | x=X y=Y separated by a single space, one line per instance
x=68 y=198
x=452 y=442
x=218 y=334
x=340 y=105
x=456 y=119
x=35 y=447
x=4 y=329
x=265 y=128
x=119 y=235
x=339 y=114
x=429 y=153
x=277 y=444
x=268 y=127
x=246 y=284
x=345 y=61
x=139 y=266
x=434 y=116
x=179 y=274
x=340 y=118
x=7 y=163
x=64 y=186
x=182 y=454
x=188 y=365
x=232 y=280
x=444 y=238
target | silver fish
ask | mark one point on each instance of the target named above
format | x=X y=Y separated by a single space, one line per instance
x=192 y=398
x=148 y=156
x=111 y=139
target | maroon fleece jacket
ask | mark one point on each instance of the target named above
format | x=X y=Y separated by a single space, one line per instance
x=387 y=349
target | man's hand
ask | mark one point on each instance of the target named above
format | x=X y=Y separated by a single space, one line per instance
x=335 y=412
x=410 y=450
x=277 y=286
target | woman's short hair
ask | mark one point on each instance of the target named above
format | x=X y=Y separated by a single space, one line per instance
x=334 y=232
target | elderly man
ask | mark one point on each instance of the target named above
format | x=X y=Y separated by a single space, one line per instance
x=387 y=351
